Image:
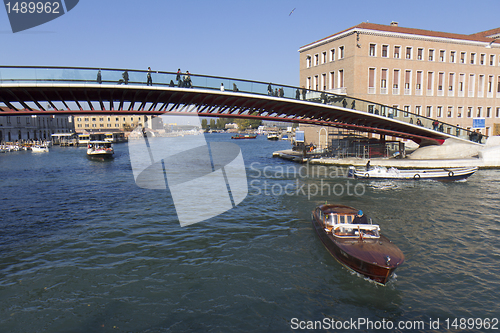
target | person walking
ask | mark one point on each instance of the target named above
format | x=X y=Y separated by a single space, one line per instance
x=149 y=79
x=125 y=77
x=222 y=87
x=99 y=77
x=178 y=78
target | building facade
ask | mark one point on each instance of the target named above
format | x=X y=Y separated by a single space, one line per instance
x=108 y=123
x=34 y=127
x=452 y=78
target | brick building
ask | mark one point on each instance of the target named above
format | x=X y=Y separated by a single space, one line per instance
x=453 y=78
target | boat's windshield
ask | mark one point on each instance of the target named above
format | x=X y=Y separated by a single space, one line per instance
x=341 y=225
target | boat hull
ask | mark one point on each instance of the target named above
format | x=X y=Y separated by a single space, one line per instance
x=447 y=174
x=367 y=257
x=100 y=155
x=244 y=137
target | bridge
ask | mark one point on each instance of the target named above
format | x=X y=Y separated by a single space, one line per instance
x=29 y=90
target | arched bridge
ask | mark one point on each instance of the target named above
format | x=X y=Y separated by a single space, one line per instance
x=77 y=90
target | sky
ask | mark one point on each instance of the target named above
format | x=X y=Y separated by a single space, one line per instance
x=254 y=40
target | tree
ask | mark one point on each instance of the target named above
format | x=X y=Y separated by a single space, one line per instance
x=212 y=124
x=204 y=123
x=244 y=124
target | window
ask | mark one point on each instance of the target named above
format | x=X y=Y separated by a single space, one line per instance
x=94 y=119
x=469 y=112
x=459 y=111
x=332 y=55
x=316 y=59
x=429 y=112
x=490 y=86
x=385 y=51
x=452 y=56
x=323 y=57
x=372 y=50
x=341 y=78
x=395 y=82
x=418 y=85
x=488 y=112
x=332 y=80
x=420 y=54
x=316 y=82
x=441 y=55
x=472 y=58
x=461 y=83
x=440 y=82
x=323 y=81
x=309 y=86
x=498 y=112
x=308 y=61
x=471 y=85
x=462 y=57
x=479 y=112
x=451 y=82
x=383 y=82
x=480 y=86
x=396 y=51
x=406 y=109
x=449 y=114
x=407 y=82
x=431 y=55
x=418 y=110
x=430 y=83
x=492 y=60
x=371 y=80
x=341 y=52
x=481 y=59
x=408 y=52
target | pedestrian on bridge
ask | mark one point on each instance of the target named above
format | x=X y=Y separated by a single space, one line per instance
x=99 y=77
x=149 y=79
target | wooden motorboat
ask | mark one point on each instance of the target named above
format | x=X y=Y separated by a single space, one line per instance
x=355 y=242
x=244 y=136
x=444 y=174
x=100 y=149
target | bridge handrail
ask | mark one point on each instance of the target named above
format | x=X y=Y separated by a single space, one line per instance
x=15 y=74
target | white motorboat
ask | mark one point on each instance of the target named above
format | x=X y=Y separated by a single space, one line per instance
x=40 y=149
x=443 y=174
x=100 y=149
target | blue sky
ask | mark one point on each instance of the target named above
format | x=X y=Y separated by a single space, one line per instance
x=254 y=39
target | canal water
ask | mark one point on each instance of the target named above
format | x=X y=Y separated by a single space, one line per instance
x=84 y=249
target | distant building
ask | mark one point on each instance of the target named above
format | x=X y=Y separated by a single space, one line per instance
x=34 y=127
x=112 y=123
x=452 y=78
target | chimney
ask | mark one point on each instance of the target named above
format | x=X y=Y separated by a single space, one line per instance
x=394 y=24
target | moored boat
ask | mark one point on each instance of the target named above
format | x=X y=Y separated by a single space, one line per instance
x=273 y=136
x=40 y=149
x=100 y=149
x=444 y=174
x=244 y=136
x=355 y=242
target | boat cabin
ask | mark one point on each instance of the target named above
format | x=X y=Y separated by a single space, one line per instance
x=341 y=222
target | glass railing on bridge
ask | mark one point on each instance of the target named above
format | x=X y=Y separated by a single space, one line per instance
x=108 y=76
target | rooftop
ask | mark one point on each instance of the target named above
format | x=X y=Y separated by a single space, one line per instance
x=489 y=36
